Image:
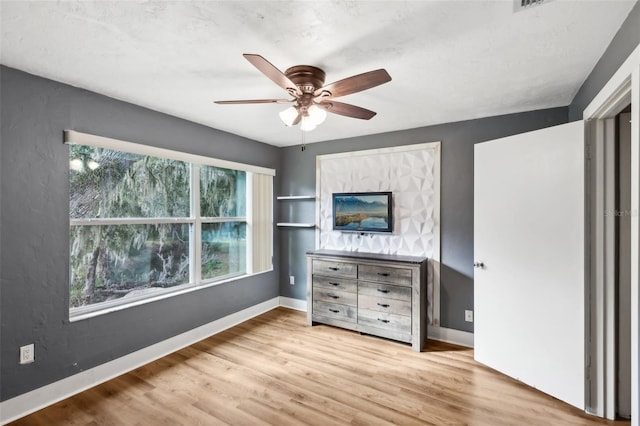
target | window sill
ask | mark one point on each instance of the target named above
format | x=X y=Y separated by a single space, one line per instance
x=86 y=313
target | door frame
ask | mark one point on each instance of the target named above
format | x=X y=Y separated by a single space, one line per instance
x=623 y=88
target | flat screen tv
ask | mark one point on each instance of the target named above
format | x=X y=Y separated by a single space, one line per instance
x=363 y=211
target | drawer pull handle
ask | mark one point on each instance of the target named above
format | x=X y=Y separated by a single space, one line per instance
x=333 y=268
x=335 y=284
x=333 y=296
x=381 y=290
x=384 y=274
x=383 y=305
x=383 y=320
x=335 y=311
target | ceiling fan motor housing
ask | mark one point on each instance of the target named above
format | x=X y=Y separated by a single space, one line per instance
x=308 y=78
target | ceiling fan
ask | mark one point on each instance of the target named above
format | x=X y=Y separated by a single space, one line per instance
x=311 y=99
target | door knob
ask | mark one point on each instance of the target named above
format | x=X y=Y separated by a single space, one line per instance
x=478 y=265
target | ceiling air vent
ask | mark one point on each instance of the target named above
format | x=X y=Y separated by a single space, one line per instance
x=519 y=5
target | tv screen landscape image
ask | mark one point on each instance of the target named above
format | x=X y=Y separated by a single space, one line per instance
x=363 y=212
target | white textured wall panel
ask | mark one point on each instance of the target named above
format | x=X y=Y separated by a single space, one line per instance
x=412 y=174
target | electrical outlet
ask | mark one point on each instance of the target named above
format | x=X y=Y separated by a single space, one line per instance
x=468 y=316
x=27 y=354
x=292 y=280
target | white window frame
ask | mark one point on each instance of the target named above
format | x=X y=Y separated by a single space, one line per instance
x=263 y=241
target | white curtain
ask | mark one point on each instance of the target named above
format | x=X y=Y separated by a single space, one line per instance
x=261 y=223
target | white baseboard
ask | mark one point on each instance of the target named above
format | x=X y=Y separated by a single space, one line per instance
x=37 y=399
x=448 y=335
x=297 y=304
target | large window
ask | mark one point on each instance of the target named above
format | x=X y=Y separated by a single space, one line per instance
x=145 y=225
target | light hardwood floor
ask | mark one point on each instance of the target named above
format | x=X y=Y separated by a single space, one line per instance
x=275 y=370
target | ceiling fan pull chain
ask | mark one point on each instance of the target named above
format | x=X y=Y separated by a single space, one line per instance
x=304 y=141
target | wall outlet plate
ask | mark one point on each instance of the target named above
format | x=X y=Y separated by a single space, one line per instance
x=468 y=316
x=27 y=355
x=292 y=279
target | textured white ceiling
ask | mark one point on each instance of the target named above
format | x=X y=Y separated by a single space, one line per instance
x=449 y=60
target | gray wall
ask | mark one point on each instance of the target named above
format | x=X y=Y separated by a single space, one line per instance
x=298 y=177
x=35 y=232
x=625 y=41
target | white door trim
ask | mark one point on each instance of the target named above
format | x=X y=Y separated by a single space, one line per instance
x=616 y=92
x=635 y=246
x=600 y=268
x=622 y=88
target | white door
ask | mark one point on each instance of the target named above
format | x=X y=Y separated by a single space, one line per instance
x=529 y=235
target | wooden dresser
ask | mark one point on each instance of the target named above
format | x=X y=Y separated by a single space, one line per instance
x=382 y=295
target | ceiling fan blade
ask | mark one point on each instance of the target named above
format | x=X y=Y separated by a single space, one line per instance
x=255 y=101
x=356 y=83
x=348 y=110
x=268 y=69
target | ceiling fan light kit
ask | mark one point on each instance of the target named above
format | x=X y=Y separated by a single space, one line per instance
x=288 y=116
x=307 y=124
x=309 y=117
x=310 y=97
x=317 y=114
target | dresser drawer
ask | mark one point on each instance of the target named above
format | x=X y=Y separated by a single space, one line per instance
x=336 y=283
x=397 y=323
x=384 y=291
x=333 y=310
x=397 y=276
x=335 y=296
x=337 y=269
x=382 y=304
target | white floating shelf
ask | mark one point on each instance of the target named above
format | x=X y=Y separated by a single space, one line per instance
x=296 y=225
x=296 y=197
